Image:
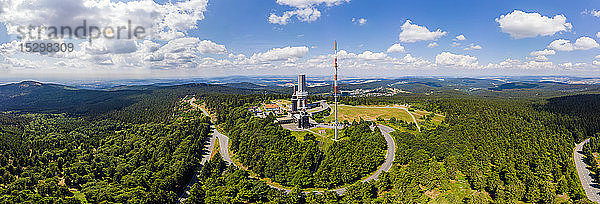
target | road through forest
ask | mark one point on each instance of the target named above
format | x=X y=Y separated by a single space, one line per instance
x=592 y=190
x=224 y=150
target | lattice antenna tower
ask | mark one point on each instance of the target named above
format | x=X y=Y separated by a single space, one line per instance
x=335 y=90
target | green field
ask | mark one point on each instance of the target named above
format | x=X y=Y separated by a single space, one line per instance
x=351 y=113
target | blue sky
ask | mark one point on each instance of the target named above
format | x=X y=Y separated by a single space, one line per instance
x=217 y=32
x=227 y=19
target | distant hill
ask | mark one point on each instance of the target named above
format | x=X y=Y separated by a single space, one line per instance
x=31 y=96
x=515 y=85
x=37 y=97
x=118 y=101
x=248 y=85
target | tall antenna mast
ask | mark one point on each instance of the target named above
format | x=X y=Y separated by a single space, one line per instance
x=335 y=90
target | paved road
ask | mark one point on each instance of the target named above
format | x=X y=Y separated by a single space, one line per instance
x=223 y=140
x=389 y=157
x=223 y=146
x=323 y=106
x=387 y=164
x=592 y=190
x=207 y=151
x=391 y=150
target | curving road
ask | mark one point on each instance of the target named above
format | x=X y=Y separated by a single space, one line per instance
x=223 y=140
x=592 y=190
x=389 y=157
x=224 y=150
x=390 y=154
x=205 y=157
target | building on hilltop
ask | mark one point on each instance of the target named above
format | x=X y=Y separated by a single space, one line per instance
x=300 y=103
x=271 y=107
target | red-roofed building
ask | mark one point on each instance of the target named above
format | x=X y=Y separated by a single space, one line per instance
x=271 y=107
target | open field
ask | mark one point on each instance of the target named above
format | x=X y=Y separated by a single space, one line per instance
x=351 y=113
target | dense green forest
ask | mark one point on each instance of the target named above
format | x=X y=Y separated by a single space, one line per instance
x=272 y=152
x=220 y=183
x=584 y=108
x=593 y=146
x=508 y=150
x=106 y=161
x=135 y=104
x=504 y=147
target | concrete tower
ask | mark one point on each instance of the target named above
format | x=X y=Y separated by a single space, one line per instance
x=300 y=102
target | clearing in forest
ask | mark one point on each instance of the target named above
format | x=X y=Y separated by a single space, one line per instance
x=351 y=113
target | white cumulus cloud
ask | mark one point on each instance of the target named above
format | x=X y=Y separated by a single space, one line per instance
x=461 y=37
x=360 y=21
x=473 y=47
x=520 y=24
x=303 y=14
x=542 y=52
x=305 y=10
x=583 y=43
x=368 y=55
x=449 y=59
x=433 y=44
x=540 y=58
x=161 y=21
x=413 y=33
x=310 y=3
x=561 y=45
x=395 y=48
x=209 y=47
x=595 y=13
x=279 y=54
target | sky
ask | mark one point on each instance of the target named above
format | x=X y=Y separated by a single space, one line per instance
x=385 y=38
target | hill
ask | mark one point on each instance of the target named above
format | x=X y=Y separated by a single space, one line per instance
x=31 y=96
x=123 y=102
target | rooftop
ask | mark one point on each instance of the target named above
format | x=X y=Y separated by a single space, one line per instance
x=271 y=106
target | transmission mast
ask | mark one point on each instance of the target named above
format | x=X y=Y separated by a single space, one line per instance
x=335 y=90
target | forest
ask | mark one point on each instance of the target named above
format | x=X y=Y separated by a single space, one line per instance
x=106 y=160
x=505 y=148
x=272 y=152
x=589 y=150
x=509 y=150
x=54 y=158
